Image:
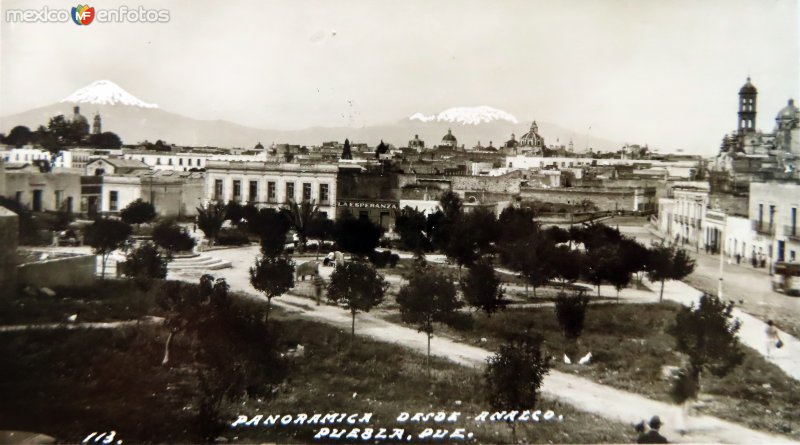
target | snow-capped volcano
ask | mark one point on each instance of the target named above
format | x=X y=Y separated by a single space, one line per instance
x=106 y=92
x=467 y=116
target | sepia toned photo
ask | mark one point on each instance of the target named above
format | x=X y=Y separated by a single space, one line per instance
x=407 y=222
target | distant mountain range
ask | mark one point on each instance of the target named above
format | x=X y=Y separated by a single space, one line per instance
x=135 y=121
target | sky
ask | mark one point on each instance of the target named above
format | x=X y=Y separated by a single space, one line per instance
x=665 y=73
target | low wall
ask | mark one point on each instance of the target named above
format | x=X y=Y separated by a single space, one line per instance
x=70 y=271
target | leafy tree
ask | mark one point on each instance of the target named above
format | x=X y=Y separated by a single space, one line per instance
x=106 y=140
x=67 y=132
x=451 y=205
x=601 y=263
x=514 y=376
x=481 y=288
x=516 y=223
x=19 y=136
x=427 y=298
x=346 y=151
x=410 y=224
x=557 y=234
x=530 y=257
x=234 y=212
x=634 y=255
x=145 y=264
x=322 y=228
x=210 y=219
x=382 y=148
x=172 y=238
x=567 y=264
x=571 y=313
x=358 y=236
x=138 y=212
x=271 y=227
x=300 y=217
x=707 y=334
x=668 y=263
x=359 y=286
x=273 y=276
x=472 y=237
x=105 y=236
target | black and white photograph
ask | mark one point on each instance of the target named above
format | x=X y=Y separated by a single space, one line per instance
x=399 y=222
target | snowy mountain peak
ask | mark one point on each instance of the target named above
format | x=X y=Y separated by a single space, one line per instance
x=467 y=115
x=105 y=92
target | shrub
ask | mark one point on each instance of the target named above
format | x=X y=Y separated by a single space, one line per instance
x=232 y=237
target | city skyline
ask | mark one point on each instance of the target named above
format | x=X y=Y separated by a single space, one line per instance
x=640 y=72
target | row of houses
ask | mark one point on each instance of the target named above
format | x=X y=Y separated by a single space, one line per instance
x=759 y=227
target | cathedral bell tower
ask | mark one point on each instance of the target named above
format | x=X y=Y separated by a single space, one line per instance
x=747 y=108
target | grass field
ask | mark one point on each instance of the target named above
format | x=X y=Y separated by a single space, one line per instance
x=70 y=383
x=630 y=347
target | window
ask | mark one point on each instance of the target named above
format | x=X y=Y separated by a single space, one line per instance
x=289 y=191
x=794 y=221
x=158 y=161
x=18 y=197
x=218 y=190
x=180 y=161
x=306 y=191
x=323 y=194
x=253 y=196
x=237 y=190
x=189 y=162
x=271 y=192
x=169 y=161
x=760 y=214
x=59 y=198
x=113 y=201
x=771 y=215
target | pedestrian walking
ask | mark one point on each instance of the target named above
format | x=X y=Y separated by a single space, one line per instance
x=653 y=436
x=773 y=340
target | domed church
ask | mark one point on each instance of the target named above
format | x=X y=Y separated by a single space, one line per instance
x=449 y=141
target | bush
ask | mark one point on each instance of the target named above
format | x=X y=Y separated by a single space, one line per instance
x=232 y=237
x=172 y=238
x=384 y=258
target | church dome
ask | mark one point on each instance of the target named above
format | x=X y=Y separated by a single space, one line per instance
x=748 y=88
x=449 y=137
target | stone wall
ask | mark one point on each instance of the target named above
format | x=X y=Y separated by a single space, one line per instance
x=70 y=271
x=612 y=199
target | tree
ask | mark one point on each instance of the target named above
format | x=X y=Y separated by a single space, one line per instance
x=571 y=313
x=451 y=205
x=481 y=288
x=473 y=236
x=322 y=228
x=210 y=219
x=105 y=236
x=271 y=227
x=707 y=334
x=138 y=212
x=145 y=264
x=530 y=256
x=105 y=140
x=667 y=263
x=427 y=298
x=410 y=224
x=359 y=286
x=234 y=212
x=381 y=149
x=517 y=224
x=172 y=238
x=300 y=217
x=567 y=264
x=359 y=236
x=273 y=276
x=19 y=136
x=514 y=376
x=346 y=152
x=634 y=255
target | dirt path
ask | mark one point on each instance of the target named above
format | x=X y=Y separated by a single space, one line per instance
x=584 y=394
x=73 y=326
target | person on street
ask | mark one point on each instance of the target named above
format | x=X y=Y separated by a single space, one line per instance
x=653 y=436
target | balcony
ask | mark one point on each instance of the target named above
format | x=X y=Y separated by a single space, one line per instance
x=792 y=232
x=763 y=228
